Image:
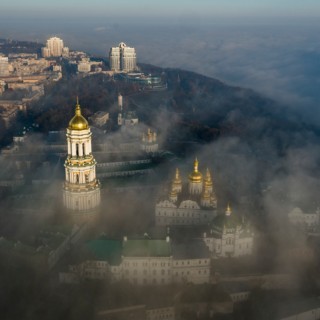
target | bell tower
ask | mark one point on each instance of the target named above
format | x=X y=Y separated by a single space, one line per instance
x=81 y=189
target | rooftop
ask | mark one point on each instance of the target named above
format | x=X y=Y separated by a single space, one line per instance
x=147 y=248
x=106 y=250
x=193 y=249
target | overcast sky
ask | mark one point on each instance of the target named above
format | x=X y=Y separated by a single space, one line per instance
x=163 y=8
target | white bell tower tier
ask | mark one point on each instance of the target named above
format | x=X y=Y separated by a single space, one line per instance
x=81 y=189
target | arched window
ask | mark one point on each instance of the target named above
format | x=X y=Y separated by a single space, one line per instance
x=77 y=150
x=83 y=149
x=77 y=177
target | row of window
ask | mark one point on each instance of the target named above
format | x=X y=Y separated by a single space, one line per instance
x=147 y=264
x=182 y=273
x=188 y=262
x=184 y=214
x=154 y=281
x=145 y=272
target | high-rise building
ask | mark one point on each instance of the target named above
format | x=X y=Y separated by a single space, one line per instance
x=4 y=66
x=54 y=48
x=81 y=188
x=123 y=58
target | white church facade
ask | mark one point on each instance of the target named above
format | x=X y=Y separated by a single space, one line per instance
x=229 y=236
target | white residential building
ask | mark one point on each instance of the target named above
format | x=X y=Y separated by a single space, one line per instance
x=54 y=48
x=122 y=58
x=4 y=66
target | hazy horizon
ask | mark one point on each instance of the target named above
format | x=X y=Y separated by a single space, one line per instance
x=280 y=59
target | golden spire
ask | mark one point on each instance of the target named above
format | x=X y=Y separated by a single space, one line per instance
x=195 y=165
x=228 y=211
x=177 y=176
x=208 y=180
x=176 y=182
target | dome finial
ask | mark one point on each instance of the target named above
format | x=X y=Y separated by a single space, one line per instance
x=177 y=174
x=78 y=109
x=196 y=164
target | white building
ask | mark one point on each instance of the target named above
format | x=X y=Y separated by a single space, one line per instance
x=122 y=58
x=81 y=188
x=145 y=261
x=191 y=262
x=4 y=66
x=100 y=118
x=194 y=203
x=54 y=48
x=2 y=87
x=84 y=66
x=229 y=236
x=308 y=221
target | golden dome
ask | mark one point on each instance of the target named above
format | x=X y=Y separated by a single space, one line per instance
x=173 y=193
x=228 y=211
x=78 y=122
x=195 y=176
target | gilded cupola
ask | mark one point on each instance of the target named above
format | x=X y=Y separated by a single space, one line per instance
x=195 y=176
x=78 y=122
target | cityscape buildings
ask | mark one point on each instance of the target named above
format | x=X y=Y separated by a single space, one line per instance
x=123 y=58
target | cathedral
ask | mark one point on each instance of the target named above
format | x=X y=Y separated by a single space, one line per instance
x=191 y=203
x=229 y=236
x=149 y=142
x=81 y=189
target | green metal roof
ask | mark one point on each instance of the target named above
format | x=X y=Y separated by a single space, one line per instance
x=106 y=250
x=146 y=248
x=223 y=221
